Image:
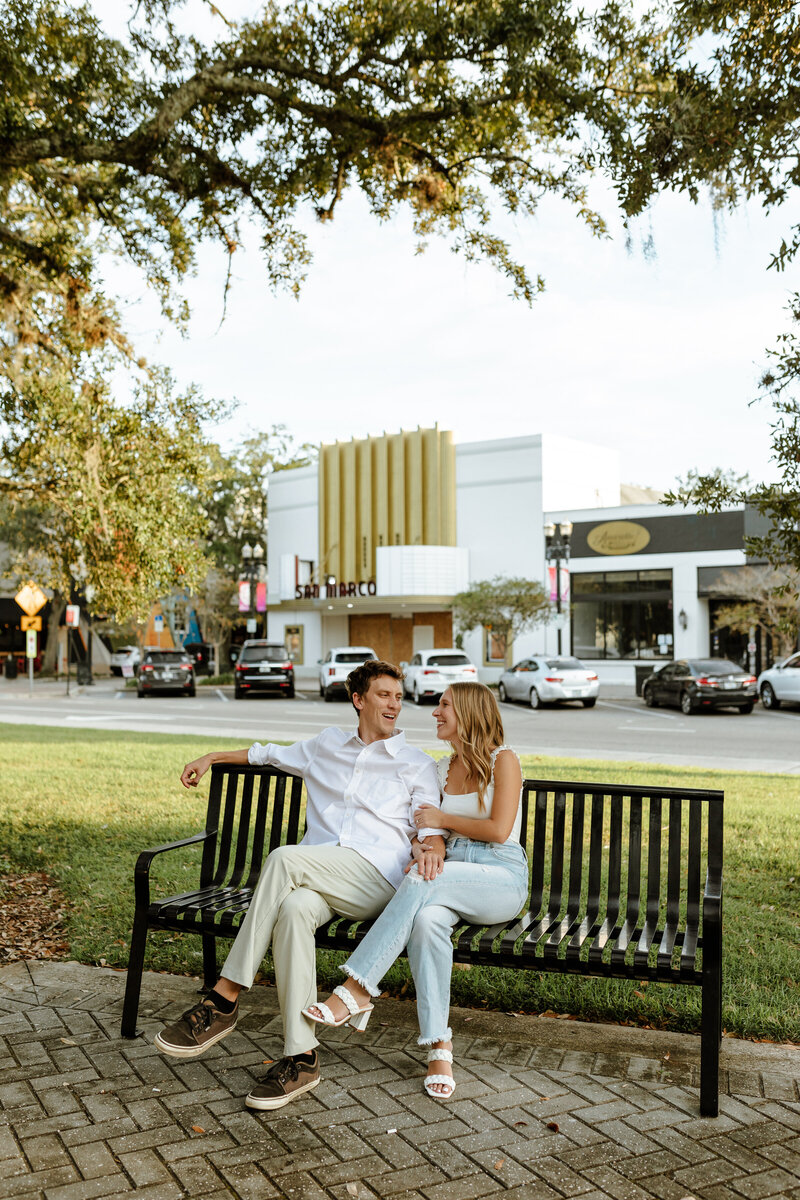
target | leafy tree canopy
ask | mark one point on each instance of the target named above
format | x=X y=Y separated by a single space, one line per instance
x=506 y=605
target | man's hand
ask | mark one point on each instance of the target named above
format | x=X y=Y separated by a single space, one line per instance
x=427 y=816
x=193 y=772
x=429 y=862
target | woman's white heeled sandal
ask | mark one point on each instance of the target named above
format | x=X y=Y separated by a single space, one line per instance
x=444 y=1080
x=356 y=1015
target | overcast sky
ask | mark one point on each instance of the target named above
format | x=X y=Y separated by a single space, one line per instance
x=656 y=353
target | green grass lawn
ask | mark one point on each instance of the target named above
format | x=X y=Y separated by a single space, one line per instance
x=80 y=804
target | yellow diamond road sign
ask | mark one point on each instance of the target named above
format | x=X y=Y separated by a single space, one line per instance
x=31 y=598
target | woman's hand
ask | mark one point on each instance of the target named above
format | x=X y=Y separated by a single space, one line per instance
x=427 y=816
x=429 y=863
x=193 y=772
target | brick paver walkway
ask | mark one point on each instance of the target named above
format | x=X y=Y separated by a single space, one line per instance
x=544 y=1108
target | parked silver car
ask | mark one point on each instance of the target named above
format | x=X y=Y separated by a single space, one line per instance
x=781 y=683
x=541 y=680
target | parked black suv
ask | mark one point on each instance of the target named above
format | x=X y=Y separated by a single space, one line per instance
x=263 y=666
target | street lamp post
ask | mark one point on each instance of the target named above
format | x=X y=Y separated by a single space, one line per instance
x=556 y=549
x=252 y=557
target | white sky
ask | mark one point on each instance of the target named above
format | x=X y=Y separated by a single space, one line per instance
x=657 y=355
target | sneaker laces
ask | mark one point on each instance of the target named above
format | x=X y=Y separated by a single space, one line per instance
x=282 y=1068
x=200 y=1017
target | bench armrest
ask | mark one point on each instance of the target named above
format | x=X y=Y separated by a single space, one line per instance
x=141 y=873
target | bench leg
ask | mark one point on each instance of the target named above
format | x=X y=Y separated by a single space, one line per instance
x=133 y=984
x=210 y=975
x=710 y=1039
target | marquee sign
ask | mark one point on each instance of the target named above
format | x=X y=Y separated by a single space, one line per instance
x=331 y=591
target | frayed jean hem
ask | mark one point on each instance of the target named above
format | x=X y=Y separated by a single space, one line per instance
x=447 y=1036
x=374 y=992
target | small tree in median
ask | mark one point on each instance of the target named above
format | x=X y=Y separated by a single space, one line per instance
x=508 y=606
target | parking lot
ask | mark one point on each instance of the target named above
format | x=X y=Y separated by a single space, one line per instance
x=619 y=728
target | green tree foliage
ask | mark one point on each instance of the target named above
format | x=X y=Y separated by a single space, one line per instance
x=116 y=485
x=507 y=606
x=762 y=597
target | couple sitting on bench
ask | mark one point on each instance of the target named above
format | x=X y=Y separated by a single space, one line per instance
x=378 y=812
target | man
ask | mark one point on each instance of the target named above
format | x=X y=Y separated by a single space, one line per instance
x=362 y=791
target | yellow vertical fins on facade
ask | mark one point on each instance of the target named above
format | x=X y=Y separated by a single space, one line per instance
x=348 y=529
x=394 y=490
x=412 y=445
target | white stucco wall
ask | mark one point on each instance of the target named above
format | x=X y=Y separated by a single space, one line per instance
x=293 y=522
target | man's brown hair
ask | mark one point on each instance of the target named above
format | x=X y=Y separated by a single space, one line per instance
x=358 y=681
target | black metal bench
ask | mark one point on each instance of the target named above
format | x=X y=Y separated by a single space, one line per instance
x=626 y=883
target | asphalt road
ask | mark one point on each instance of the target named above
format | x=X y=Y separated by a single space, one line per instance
x=618 y=728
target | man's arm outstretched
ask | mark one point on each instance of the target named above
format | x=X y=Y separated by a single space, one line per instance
x=193 y=772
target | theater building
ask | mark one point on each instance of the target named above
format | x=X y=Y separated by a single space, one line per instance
x=369 y=545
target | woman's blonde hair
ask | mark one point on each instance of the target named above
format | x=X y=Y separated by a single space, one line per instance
x=480 y=730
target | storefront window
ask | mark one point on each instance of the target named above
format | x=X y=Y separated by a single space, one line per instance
x=622 y=614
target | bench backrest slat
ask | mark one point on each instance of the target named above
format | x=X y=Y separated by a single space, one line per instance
x=557 y=852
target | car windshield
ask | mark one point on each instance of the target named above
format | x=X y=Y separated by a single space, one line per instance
x=167 y=656
x=714 y=666
x=352 y=656
x=448 y=660
x=565 y=664
x=263 y=654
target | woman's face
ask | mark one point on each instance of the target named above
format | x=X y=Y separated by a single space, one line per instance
x=445 y=717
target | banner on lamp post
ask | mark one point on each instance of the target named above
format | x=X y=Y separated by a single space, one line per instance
x=244 y=595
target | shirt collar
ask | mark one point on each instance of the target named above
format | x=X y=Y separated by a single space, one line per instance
x=393 y=745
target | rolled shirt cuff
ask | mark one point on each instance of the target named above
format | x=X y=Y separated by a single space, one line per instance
x=423 y=833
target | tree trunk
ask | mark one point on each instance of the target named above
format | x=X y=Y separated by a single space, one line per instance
x=50 y=660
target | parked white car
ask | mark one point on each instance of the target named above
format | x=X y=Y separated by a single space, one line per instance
x=781 y=683
x=431 y=671
x=541 y=680
x=337 y=665
x=126 y=656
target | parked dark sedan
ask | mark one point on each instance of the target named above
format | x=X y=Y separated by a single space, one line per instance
x=698 y=683
x=167 y=671
x=263 y=666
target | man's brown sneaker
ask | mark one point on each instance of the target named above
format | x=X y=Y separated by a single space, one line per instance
x=199 y=1027
x=286 y=1079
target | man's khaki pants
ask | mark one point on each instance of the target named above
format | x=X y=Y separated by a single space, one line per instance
x=301 y=888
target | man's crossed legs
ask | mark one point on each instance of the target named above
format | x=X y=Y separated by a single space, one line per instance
x=300 y=888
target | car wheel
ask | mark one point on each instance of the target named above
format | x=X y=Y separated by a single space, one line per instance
x=768 y=697
x=416 y=696
x=290 y=694
x=687 y=705
x=237 y=693
x=746 y=708
x=192 y=691
x=589 y=703
x=535 y=701
x=321 y=690
x=649 y=697
x=501 y=692
x=328 y=694
x=140 y=693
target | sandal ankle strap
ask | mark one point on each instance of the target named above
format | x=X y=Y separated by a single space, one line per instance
x=347 y=999
x=440 y=1056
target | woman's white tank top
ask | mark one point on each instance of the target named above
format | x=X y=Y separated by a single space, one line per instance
x=466 y=805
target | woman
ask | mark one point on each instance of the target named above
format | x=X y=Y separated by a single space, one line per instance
x=484 y=879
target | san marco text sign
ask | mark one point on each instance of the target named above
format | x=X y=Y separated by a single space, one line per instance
x=332 y=591
x=31 y=598
x=26 y=623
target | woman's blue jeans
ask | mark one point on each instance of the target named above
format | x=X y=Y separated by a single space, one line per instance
x=482 y=883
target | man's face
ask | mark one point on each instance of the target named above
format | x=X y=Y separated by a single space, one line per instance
x=379 y=708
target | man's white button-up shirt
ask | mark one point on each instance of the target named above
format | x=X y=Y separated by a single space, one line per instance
x=358 y=795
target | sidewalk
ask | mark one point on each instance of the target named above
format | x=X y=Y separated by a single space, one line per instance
x=544 y=1108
